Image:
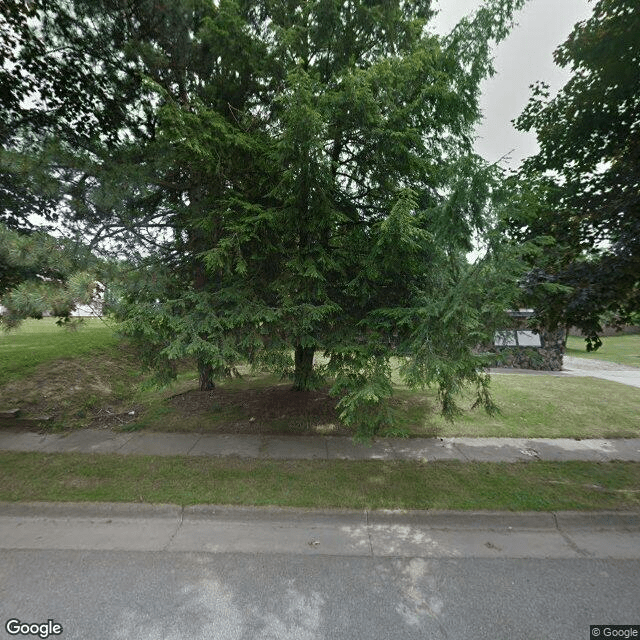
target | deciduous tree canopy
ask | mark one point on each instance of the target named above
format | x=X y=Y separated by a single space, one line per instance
x=585 y=181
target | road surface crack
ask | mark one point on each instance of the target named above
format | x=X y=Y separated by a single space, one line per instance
x=175 y=533
x=581 y=552
x=368 y=528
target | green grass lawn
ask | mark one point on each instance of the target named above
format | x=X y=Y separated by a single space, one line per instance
x=40 y=341
x=71 y=375
x=529 y=486
x=86 y=377
x=88 y=374
x=548 y=407
x=623 y=349
x=530 y=407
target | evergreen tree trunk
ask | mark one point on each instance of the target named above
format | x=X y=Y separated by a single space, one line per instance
x=303 y=375
x=205 y=372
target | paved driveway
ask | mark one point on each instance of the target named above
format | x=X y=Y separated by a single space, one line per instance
x=602 y=369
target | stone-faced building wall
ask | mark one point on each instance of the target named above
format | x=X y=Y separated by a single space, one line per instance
x=546 y=357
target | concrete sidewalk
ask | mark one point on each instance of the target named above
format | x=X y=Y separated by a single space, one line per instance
x=216 y=529
x=323 y=447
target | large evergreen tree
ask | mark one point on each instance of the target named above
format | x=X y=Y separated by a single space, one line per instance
x=302 y=179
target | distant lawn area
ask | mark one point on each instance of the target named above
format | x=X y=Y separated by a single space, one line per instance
x=38 y=341
x=621 y=349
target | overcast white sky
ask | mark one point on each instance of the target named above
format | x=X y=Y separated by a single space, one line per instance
x=522 y=59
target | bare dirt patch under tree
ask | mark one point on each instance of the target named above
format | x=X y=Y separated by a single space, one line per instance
x=272 y=409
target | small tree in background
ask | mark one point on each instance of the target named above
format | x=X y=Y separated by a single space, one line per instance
x=41 y=275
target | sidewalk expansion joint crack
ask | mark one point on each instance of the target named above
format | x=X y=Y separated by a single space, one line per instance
x=125 y=443
x=262 y=449
x=194 y=445
x=461 y=452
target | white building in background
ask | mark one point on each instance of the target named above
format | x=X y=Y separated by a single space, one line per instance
x=95 y=308
x=92 y=310
x=87 y=311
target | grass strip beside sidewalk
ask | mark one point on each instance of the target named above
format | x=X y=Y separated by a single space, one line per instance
x=530 y=486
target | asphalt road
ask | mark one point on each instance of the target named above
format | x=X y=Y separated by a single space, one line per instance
x=143 y=572
x=116 y=595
